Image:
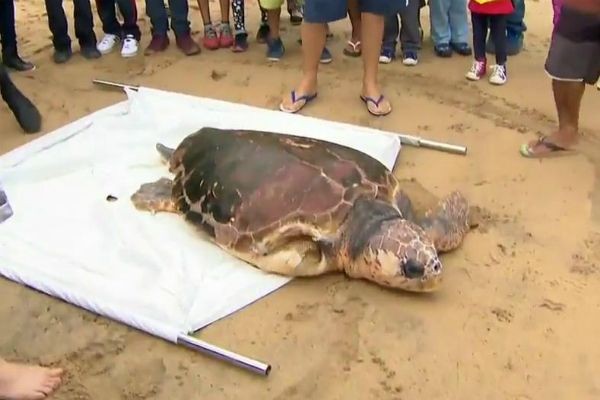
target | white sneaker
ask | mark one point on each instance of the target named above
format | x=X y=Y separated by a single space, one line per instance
x=498 y=76
x=130 y=46
x=107 y=44
x=477 y=71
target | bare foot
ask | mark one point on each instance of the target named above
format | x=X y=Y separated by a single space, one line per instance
x=549 y=145
x=376 y=102
x=304 y=93
x=27 y=382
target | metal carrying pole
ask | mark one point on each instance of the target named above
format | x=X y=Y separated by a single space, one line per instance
x=225 y=355
x=430 y=144
x=102 y=82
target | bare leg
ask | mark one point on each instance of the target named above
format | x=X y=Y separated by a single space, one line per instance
x=273 y=18
x=354 y=14
x=224 y=11
x=313 y=43
x=372 y=36
x=567 y=97
x=27 y=382
x=204 y=11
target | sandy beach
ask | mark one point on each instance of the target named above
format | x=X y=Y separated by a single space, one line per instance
x=518 y=315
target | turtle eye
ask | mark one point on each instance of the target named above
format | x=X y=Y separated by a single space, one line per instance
x=413 y=269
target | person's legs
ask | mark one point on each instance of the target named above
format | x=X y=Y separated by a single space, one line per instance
x=129 y=11
x=181 y=27
x=391 y=30
x=131 y=30
x=275 y=47
x=314 y=36
x=497 y=32
x=84 y=29
x=263 y=30
x=210 y=39
x=57 y=22
x=480 y=24
x=440 y=26
x=159 y=20
x=459 y=27
x=410 y=35
x=8 y=36
x=353 y=46
x=240 y=42
x=225 y=34
x=110 y=26
x=22 y=381
x=372 y=37
x=573 y=61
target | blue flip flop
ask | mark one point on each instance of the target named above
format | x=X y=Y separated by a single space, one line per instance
x=298 y=102
x=376 y=103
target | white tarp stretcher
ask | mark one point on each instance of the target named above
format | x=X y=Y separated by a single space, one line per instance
x=151 y=272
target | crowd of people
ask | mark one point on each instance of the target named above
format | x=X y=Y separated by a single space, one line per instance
x=377 y=26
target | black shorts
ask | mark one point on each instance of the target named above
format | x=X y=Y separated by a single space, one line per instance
x=574 y=53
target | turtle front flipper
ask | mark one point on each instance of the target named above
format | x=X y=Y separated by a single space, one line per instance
x=155 y=197
x=448 y=223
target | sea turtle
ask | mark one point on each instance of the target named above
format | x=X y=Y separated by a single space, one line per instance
x=298 y=206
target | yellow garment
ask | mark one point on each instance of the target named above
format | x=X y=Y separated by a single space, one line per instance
x=267 y=4
x=483 y=1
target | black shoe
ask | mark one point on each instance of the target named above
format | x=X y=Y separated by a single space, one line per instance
x=443 y=50
x=61 y=56
x=13 y=61
x=90 y=52
x=263 y=33
x=462 y=48
x=26 y=113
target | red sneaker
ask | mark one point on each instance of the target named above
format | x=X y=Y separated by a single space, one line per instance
x=225 y=36
x=210 y=40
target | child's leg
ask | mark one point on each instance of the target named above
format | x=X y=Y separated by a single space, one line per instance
x=263 y=30
x=390 y=38
x=459 y=27
x=239 y=17
x=410 y=35
x=440 y=26
x=224 y=11
x=210 y=39
x=480 y=29
x=498 y=34
x=225 y=35
x=353 y=47
x=205 y=12
x=275 y=49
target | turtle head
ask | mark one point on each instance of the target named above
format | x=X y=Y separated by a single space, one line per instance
x=383 y=247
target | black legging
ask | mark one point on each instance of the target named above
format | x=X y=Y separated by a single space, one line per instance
x=7 y=26
x=497 y=27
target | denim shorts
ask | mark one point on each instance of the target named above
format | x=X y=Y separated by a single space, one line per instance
x=324 y=11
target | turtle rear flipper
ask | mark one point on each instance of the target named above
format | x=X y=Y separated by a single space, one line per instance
x=155 y=197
